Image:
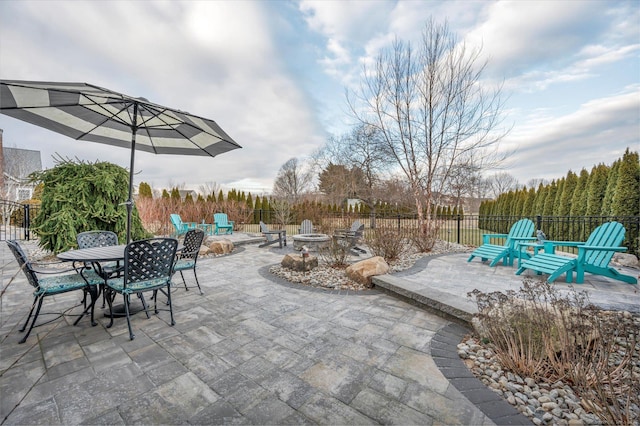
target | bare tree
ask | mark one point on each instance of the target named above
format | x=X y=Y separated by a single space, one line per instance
x=430 y=110
x=365 y=153
x=502 y=182
x=209 y=190
x=292 y=181
x=463 y=180
x=351 y=165
x=535 y=182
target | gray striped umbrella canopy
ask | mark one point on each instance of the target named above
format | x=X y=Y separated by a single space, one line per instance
x=90 y=113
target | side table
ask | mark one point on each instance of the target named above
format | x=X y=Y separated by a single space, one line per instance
x=206 y=227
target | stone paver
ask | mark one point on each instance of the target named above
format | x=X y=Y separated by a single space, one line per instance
x=251 y=350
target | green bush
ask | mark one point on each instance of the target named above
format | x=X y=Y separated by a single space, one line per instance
x=81 y=196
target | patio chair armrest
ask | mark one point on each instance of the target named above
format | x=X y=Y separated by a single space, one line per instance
x=618 y=249
x=515 y=241
x=550 y=246
x=486 y=238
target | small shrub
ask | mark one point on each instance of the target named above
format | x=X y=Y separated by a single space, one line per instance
x=539 y=334
x=386 y=242
x=425 y=238
x=335 y=253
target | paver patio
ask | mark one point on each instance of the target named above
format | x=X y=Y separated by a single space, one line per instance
x=250 y=351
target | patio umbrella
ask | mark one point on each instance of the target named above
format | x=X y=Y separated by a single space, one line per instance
x=90 y=113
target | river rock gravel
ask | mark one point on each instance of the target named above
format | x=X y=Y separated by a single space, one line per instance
x=328 y=277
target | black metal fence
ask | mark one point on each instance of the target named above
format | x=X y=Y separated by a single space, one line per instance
x=16 y=220
x=468 y=229
x=462 y=229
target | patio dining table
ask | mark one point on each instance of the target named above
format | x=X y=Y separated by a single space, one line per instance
x=96 y=255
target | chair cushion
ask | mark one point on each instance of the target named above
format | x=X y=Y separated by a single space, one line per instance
x=117 y=284
x=62 y=283
x=183 y=264
x=92 y=277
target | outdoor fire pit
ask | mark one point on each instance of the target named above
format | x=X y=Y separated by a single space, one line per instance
x=313 y=242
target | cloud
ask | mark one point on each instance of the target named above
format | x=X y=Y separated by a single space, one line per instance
x=548 y=145
x=272 y=74
x=194 y=56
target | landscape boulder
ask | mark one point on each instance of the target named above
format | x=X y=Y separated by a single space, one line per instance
x=626 y=259
x=362 y=271
x=221 y=246
x=204 y=250
x=296 y=262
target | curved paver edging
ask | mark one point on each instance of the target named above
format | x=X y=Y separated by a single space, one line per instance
x=264 y=273
x=445 y=354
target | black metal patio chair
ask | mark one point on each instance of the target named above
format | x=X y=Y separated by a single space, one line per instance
x=59 y=281
x=148 y=266
x=90 y=239
x=188 y=257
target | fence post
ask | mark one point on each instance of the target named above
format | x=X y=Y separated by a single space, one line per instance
x=459 y=220
x=398 y=222
x=27 y=223
x=539 y=222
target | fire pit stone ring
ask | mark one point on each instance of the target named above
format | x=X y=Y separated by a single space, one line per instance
x=313 y=242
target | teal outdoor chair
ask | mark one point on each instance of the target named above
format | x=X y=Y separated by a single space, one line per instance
x=180 y=226
x=222 y=223
x=521 y=231
x=594 y=256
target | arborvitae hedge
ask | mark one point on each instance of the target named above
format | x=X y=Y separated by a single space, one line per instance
x=606 y=191
x=625 y=200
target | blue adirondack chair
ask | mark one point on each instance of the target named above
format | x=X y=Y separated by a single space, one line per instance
x=180 y=226
x=521 y=231
x=594 y=256
x=222 y=223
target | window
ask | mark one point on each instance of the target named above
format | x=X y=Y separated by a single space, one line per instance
x=24 y=194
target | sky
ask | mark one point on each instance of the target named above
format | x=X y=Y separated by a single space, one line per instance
x=273 y=75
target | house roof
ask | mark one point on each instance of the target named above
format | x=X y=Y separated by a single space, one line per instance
x=20 y=163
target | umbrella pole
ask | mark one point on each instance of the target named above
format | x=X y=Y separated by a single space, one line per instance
x=129 y=203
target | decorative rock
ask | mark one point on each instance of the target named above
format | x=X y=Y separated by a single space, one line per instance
x=626 y=259
x=362 y=271
x=204 y=250
x=296 y=262
x=221 y=246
